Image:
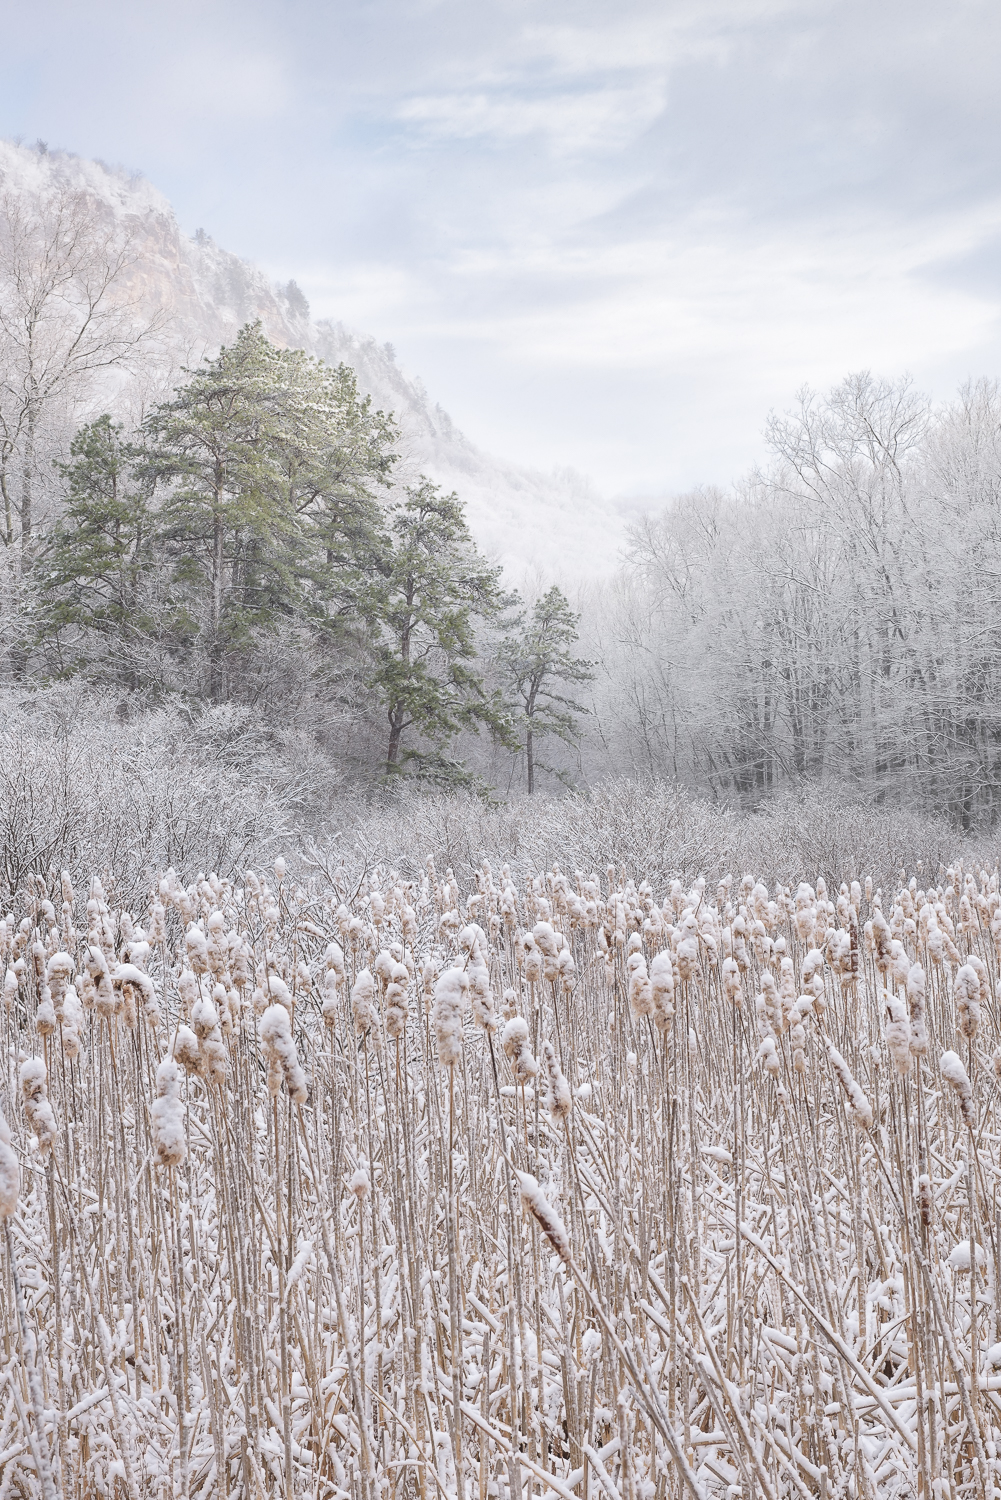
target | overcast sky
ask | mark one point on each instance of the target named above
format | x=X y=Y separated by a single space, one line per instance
x=610 y=235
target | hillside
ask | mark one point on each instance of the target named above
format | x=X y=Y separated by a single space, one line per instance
x=555 y=522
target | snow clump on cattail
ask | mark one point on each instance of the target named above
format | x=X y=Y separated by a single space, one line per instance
x=662 y=990
x=858 y=1104
x=333 y=981
x=363 y=1002
x=955 y=1074
x=10 y=1180
x=548 y=1219
x=966 y=993
x=167 y=1116
x=359 y=1183
x=916 y=1007
x=897 y=1030
x=514 y=1039
x=640 y=989
x=449 y=997
x=280 y=1054
x=558 y=1097
x=34 y=1091
x=186 y=1050
x=396 y=1000
x=132 y=982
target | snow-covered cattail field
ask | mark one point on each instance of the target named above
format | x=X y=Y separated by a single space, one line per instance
x=558 y=1187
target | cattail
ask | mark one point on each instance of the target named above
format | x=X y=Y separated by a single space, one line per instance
x=897 y=1031
x=34 y=1091
x=105 y=1001
x=559 y=1099
x=71 y=1023
x=966 y=993
x=926 y=1198
x=916 y=1007
x=449 y=998
x=59 y=972
x=359 y=1183
x=196 y=946
x=662 y=989
x=333 y=960
x=396 y=1000
x=514 y=1039
x=363 y=1002
x=772 y=1003
x=640 y=991
x=768 y=1056
x=858 y=1104
x=481 y=998
x=531 y=957
x=797 y=1031
x=187 y=1051
x=280 y=1054
x=955 y=1074
x=45 y=1015
x=542 y=1210
x=205 y=1024
x=331 y=998
x=167 y=1116
x=133 y=982
x=10 y=1177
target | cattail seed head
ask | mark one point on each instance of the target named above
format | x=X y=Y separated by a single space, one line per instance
x=280 y=1054
x=167 y=1116
x=545 y=1215
x=956 y=1075
x=449 y=999
x=38 y=1111
x=10 y=1177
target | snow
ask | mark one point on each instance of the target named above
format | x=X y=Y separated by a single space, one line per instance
x=962 y=1258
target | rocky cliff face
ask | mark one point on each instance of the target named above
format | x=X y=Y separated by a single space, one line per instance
x=555 y=523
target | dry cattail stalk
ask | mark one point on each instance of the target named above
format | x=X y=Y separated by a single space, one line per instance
x=363 y=1002
x=858 y=1104
x=956 y=1076
x=514 y=1039
x=280 y=1054
x=542 y=1210
x=37 y=1109
x=10 y=1177
x=559 y=1099
x=449 y=999
x=167 y=1116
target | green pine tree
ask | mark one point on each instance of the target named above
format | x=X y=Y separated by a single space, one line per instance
x=435 y=589
x=270 y=461
x=96 y=570
x=535 y=658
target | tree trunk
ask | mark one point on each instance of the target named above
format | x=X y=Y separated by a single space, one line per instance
x=27 y=491
x=530 y=757
x=395 y=737
x=216 y=684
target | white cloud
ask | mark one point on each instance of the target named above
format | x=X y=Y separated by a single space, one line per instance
x=219 y=82
x=599 y=120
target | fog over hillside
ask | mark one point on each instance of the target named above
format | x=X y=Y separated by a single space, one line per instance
x=553 y=522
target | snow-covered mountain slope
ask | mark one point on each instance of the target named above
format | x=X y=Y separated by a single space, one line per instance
x=555 y=523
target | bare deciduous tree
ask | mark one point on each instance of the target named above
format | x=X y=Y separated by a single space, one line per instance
x=66 y=318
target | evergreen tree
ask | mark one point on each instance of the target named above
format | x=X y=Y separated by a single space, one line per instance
x=535 y=656
x=95 y=569
x=270 y=459
x=435 y=588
